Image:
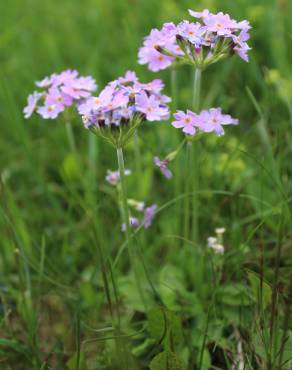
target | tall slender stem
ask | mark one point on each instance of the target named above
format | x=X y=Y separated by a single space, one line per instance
x=138 y=159
x=188 y=183
x=126 y=216
x=125 y=207
x=197 y=90
x=70 y=136
x=192 y=180
x=92 y=154
x=173 y=83
x=195 y=159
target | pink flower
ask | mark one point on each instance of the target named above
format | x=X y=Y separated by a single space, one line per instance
x=125 y=101
x=79 y=88
x=155 y=60
x=134 y=223
x=149 y=215
x=32 y=101
x=162 y=164
x=55 y=96
x=62 y=91
x=50 y=111
x=151 y=107
x=187 y=121
x=191 y=31
x=212 y=121
x=199 y=43
x=220 y=23
x=204 y=14
x=130 y=76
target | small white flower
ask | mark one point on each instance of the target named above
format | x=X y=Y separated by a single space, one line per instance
x=211 y=241
x=220 y=231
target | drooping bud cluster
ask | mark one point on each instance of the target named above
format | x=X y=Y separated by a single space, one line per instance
x=122 y=106
x=61 y=90
x=202 y=43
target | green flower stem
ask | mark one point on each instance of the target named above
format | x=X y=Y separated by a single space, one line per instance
x=70 y=136
x=126 y=217
x=197 y=90
x=173 y=83
x=188 y=183
x=192 y=183
x=92 y=158
x=138 y=158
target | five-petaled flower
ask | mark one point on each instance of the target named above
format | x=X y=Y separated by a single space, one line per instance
x=188 y=121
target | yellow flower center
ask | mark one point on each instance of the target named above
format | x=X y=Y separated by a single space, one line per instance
x=187 y=120
x=149 y=109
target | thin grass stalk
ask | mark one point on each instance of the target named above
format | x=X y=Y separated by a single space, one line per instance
x=204 y=340
x=120 y=345
x=287 y=316
x=77 y=339
x=275 y=290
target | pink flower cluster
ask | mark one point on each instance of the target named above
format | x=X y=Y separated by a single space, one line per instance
x=61 y=91
x=207 y=121
x=123 y=100
x=200 y=43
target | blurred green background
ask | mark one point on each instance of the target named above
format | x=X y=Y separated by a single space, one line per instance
x=48 y=195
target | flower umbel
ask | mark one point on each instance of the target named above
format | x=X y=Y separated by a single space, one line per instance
x=61 y=91
x=201 y=43
x=122 y=106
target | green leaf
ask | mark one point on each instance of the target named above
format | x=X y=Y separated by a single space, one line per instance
x=171 y=284
x=175 y=327
x=234 y=295
x=157 y=322
x=167 y=361
x=206 y=362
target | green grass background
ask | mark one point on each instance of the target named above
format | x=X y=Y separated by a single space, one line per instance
x=49 y=196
